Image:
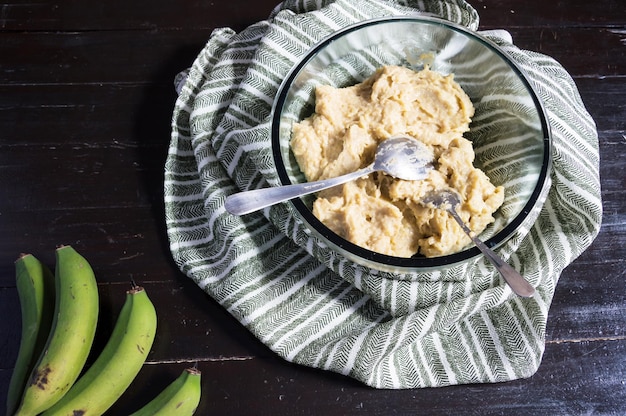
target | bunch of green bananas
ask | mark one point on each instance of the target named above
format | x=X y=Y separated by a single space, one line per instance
x=59 y=317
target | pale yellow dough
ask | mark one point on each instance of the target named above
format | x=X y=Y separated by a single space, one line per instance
x=381 y=213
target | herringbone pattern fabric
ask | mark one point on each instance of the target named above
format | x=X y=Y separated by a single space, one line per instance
x=462 y=325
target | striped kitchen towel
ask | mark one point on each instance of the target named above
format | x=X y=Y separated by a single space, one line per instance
x=312 y=308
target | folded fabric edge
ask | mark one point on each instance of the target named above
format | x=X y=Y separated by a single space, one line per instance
x=532 y=371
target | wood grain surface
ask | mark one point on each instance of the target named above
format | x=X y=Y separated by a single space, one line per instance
x=86 y=96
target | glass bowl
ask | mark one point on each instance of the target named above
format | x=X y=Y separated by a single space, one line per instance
x=509 y=131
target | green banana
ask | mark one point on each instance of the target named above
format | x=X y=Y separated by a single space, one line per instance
x=71 y=336
x=180 y=398
x=118 y=363
x=35 y=288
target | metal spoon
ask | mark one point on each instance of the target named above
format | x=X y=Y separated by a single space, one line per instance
x=449 y=201
x=402 y=157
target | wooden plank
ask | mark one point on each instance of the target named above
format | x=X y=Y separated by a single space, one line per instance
x=575 y=378
x=582 y=51
x=234 y=362
x=121 y=215
x=191 y=326
x=131 y=146
x=71 y=177
x=117 y=115
x=194 y=327
x=156 y=56
x=276 y=388
x=140 y=114
x=141 y=15
x=85 y=106
x=138 y=57
x=540 y=13
x=587 y=305
x=603 y=99
x=76 y=15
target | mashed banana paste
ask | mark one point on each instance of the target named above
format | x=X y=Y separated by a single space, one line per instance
x=379 y=212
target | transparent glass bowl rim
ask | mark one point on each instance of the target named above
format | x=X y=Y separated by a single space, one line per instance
x=418 y=263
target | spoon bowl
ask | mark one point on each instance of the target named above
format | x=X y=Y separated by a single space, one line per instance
x=402 y=157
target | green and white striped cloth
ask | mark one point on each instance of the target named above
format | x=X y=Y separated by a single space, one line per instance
x=430 y=329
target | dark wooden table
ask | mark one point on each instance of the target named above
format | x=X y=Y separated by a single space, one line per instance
x=85 y=103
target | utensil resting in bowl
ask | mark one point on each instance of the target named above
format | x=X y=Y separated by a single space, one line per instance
x=449 y=200
x=509 y=130
x=402 y=157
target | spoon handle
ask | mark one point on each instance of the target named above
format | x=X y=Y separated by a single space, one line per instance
x=516 y=281
x=250 y=201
